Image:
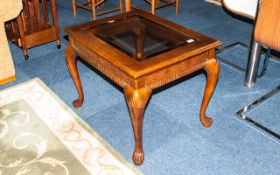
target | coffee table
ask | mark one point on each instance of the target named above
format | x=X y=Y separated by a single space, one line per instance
x=141 y=52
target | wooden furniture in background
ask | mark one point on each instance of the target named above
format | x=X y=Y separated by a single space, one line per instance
x=128 y=5
x=141 y=52
x=91 y=5
x=156 y=4
x=33 y=27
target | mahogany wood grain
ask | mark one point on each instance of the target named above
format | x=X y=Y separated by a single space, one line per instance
x=139 y=77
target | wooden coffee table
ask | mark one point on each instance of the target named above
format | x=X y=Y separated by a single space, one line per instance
x=141 y=52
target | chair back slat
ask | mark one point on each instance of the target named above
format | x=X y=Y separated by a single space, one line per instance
x=35 y=12
x=45 y=11
x=267 y=30
x=37 y=15
x=27 y=12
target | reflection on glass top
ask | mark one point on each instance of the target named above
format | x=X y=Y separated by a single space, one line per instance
x=139 y=37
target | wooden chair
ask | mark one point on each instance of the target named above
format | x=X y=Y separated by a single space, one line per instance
x=33 y=27
x=91 y=5
x=157 y=4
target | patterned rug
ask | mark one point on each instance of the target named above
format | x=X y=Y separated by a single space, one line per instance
x=39 y=134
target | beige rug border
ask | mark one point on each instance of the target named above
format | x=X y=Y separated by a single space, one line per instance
x=79 y=121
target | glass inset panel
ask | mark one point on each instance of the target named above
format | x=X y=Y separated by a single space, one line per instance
x=139 y=37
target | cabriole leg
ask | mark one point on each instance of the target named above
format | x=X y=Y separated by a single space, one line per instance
x=212 y=69
x=71 y=59
x=137 y=100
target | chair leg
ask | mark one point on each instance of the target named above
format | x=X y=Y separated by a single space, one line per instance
x=153 y=6
x=127 y=5
x=177 y=7
x=121 y=6
x=74 y=8
x=265 y=63
x=25 y=53
x=55 y=23
x=21 y=36
x=253 y=65
x=93 y=9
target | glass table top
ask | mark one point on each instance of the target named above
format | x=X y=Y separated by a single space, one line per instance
x=139 y=37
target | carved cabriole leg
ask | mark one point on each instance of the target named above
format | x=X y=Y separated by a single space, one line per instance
x=137 y=100
x=212 y=68
x=71 y=59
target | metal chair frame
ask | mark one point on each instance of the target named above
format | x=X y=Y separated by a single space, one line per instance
x=239 y=68
x=265 y=35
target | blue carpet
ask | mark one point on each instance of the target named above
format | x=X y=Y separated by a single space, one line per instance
x=175 y=142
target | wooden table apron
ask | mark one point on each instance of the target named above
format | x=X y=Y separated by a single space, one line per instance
x=138 y=89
